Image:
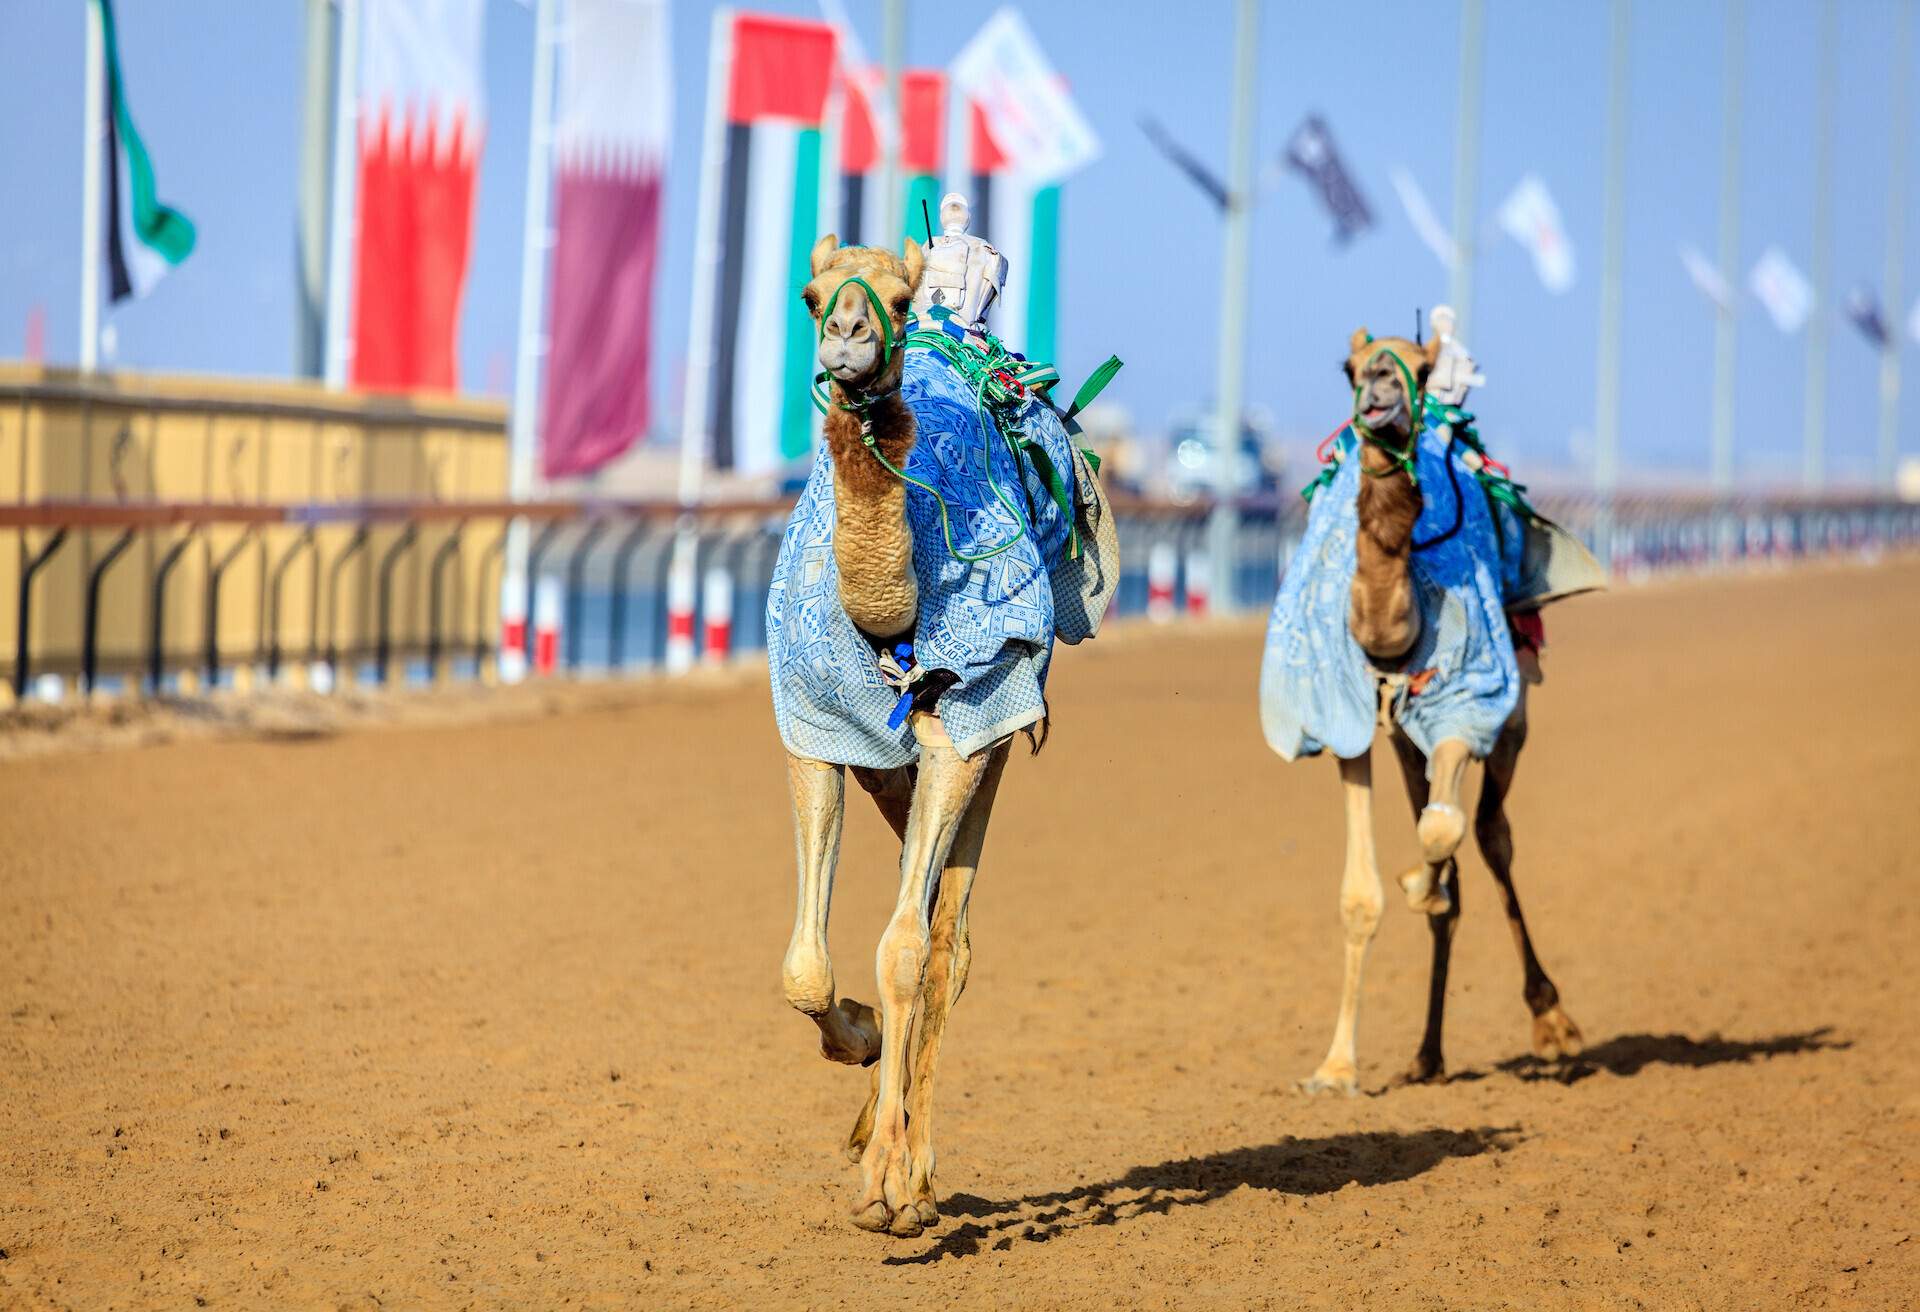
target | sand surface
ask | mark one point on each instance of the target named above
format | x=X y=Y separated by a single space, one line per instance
x=489 y=1015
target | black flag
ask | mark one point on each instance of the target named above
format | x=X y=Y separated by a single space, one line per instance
x=1197 y=173
x=1863 y=309
x=1312 y=153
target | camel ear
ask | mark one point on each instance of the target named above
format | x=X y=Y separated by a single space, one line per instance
x=1359 y=340
x=916 y=261
x=823 y=252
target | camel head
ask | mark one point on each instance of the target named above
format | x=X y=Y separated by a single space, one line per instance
x=854 y=339
x=1379 y=368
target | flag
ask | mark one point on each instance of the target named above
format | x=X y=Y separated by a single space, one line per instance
x=1863 y=312
x=1034 y=122
x=1426 y=224
x=923 y=113
x=754 y=342
x=1531 y=218
x=145 y=237
x=1706 y=277
x=1021 y=217
x=1183 y=159
x=612 y=124
x=1024 y=137
x=420 y=124
x=1782 y=289
x=1312 y=154
x=862 y=128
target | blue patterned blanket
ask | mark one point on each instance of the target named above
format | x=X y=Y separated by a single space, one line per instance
x=1317 y=688
x=990 y=623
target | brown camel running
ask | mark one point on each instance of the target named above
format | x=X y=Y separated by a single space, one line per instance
x=1384 y=619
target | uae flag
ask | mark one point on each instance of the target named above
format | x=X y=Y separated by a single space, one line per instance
x=419 y=148
x=923 y=125
x=611 y=129
x=753 y=342
x=1021 y=217
x=855 y=213
x=1025 y=136
x=144 y=238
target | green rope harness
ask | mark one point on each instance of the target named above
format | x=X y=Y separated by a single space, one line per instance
x=1416 y=409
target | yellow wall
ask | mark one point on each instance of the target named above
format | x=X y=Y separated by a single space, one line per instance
x=218 y=440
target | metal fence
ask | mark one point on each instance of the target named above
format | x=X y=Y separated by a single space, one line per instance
x=613 y=587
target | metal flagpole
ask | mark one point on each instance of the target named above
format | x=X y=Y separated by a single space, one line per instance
x=92 y=250
x=1889 y=454
x=1229 y=393
x=1724 y=320
x=893 y=45
x=1814 y=462
x=1466 y=162
x=535 y=241
x=315 y=151
x=695 y=409
x=346 y=143
x=1606 y=462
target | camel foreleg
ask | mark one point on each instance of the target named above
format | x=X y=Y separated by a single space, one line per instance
x=941 y=797
x=1441 y=825
x=847 y=1029
x=1361 y=901
x=1429 y=1063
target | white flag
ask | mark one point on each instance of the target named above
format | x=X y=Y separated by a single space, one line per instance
x=1706 y=277
x=1531 y=218
x=1033 y=119
x=1783 y=289
x=1426 y=225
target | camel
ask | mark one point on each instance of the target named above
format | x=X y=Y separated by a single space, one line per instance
x=1409 y=624
x=937 y=802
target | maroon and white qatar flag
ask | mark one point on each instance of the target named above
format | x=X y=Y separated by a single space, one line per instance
x=610 y=147
x=419 y=149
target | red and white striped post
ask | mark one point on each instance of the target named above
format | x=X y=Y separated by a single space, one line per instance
x=716 y=605
x=512 y=663
x=1163 y=569
x=680 y=596
x=546 y=625
x=1199 y=582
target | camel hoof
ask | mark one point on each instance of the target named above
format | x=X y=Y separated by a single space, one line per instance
x=906 y=1223
x=851 y=1035
x=928 y=1212
x=1425 y=1069
x=1423 y=894
x=873 y=1217
x=1555 y=1036
x=1325 y=1081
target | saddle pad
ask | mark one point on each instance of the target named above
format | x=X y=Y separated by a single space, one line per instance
x=990 y=622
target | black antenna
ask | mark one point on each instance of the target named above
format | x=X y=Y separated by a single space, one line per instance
x=1416 y=327
x=926 y=218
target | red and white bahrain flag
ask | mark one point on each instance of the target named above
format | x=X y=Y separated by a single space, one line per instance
x=611 y=130
x=420 y=132
x=754 y=342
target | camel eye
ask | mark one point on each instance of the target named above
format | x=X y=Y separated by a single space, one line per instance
x=900 y=304
x=812 y=298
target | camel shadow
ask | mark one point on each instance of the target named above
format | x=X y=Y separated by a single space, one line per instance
x=1629 y=1054
x=1302 y=1167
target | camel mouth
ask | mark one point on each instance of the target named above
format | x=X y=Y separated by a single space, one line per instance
x=846 y=371
x=1374 y=416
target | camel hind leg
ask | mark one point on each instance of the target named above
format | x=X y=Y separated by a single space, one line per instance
x=1554 y=1033
x=1443 y=914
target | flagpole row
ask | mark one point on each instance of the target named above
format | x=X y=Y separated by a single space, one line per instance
x=1814 y=456
x=1606 y=462
x=1725 y=322
x=1897 y=140
x=1466 y=162
x=92 y=250
x=346 y=138
x=1231 y=384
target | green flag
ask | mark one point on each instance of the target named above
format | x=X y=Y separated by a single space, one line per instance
x=145 y=237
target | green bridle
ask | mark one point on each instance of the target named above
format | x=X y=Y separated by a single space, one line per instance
x=1416 y=410
x=822 y=395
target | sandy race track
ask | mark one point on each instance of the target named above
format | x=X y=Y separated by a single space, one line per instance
x=489 y=1015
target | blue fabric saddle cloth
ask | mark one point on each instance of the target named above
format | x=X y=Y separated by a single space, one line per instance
x=1317 y=688
x=989 y=622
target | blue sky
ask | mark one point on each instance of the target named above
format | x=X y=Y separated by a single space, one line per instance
x=215 y=86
